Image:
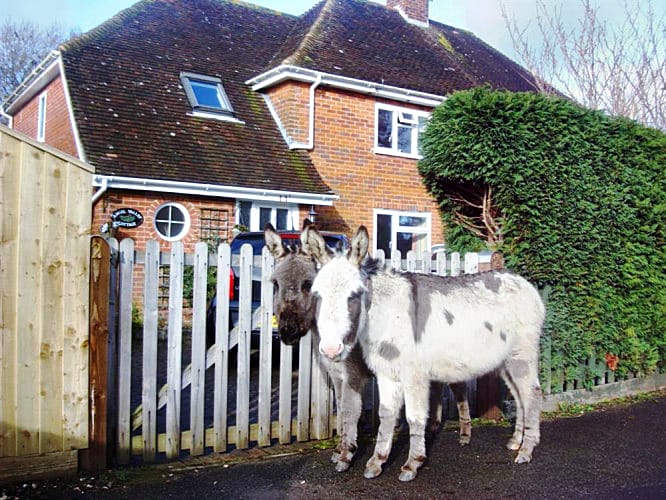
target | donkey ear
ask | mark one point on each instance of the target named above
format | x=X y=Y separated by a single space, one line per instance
x=306 y=222
x=273 y=241
x=359 y=246
x=313 y=243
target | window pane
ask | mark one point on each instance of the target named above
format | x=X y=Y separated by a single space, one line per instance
x=264 y=217
x=384 y=234
x=281 y=218
x=244 y=215
x=408 y=220
x=404 y=139
x=384 y=128
x=206 y=94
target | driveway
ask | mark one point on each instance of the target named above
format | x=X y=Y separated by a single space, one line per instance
x=615 y=451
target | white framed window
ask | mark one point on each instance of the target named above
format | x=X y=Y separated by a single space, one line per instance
x=41 y=118
x=255 y=215
x=172 y=221
x=397 y=130
x=206 y=94
x=403 y=231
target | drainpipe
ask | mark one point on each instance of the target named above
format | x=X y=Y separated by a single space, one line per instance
x=102 y=189
x=310 y=143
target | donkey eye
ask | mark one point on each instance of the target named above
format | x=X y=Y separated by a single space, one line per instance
x=276 y=285
x=306 y=286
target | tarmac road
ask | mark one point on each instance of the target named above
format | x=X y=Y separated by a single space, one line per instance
x=616 y=451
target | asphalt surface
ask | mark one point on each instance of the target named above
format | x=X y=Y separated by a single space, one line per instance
x=616 y=451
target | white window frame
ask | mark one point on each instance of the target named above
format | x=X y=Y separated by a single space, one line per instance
x=225 y=111
x=41 y=118
x=186 y=222
x=397 y=228
x=293 y=215
x=399 y=119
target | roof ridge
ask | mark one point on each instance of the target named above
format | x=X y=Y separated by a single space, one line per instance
x=326 y=7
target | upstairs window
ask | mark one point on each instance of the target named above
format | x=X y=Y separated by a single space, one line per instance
x=206 y=94
x=41 y=118
x=398 y=130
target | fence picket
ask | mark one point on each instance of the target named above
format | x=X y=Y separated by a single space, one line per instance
x=265 y=350
x=198 y=348
x=304 y=378
x=126 y=259
x=243 y=354
x=455 y=264
x=221 y=356
x=174 y=350
x=149 y=351
x=284 y=401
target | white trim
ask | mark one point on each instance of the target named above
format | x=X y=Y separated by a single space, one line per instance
x=36 y=81
x=213 y=190
x=289 y=72
x=397 y=228
x=293 y=222
x=396 y=121
x=42 y=102
x=70 y=110
x=186 y=223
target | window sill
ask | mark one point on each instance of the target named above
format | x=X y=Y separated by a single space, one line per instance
x=216 y=116
x=390 y=152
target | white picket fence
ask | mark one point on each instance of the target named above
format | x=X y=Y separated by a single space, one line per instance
x=176 y=395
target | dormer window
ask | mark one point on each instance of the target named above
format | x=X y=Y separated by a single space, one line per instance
x=398 y=130
x=206 y=94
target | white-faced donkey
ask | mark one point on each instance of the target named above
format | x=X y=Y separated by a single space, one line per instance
x=414 y=328
x=295 y=270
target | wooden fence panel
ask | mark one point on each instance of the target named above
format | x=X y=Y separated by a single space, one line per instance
x=265 y=351
x=45 y=217
x=243 y=353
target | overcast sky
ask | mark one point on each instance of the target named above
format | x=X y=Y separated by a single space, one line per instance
x=482 y=17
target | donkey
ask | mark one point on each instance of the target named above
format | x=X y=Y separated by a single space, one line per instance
x=294 y=273
x=414 y=328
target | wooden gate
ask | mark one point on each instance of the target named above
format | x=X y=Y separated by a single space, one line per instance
x=175 y=394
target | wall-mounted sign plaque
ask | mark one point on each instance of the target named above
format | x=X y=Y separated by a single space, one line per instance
x=127 y=218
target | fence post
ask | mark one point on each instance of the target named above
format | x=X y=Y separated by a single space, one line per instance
x=95 y=457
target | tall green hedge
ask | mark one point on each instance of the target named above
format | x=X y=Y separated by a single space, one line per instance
x=581 y=201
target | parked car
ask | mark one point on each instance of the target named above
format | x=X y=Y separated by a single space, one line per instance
x=256 y=239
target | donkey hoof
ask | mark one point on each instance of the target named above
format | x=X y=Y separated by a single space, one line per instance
x=372 y=469
x=341 y=466
x=464 y=439
x=523 y=457
x=513 y=444
x=335 y=457
x=407 y=475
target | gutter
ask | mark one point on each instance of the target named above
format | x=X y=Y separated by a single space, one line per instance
x=103 y=188
x=311 y=117
x=273 y=195
x=289 y=72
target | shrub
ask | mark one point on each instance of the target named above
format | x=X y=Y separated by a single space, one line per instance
x=576 y=201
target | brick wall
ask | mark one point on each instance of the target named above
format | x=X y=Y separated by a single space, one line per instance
x=344 y=156
x=290 y=101
x=59 y=131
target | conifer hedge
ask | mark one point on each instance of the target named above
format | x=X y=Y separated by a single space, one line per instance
x=580 y=199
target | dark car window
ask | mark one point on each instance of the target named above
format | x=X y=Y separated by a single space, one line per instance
x=257 y=241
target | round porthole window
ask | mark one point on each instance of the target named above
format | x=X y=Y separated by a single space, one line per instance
x=172 y=221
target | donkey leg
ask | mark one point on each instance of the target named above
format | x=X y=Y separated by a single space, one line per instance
x=435 y=415
x=464 y=419
x=339 y=426
x=517 y=437
x=349 y=412
x=416 y=411
x=525 y=379
x=390 y=402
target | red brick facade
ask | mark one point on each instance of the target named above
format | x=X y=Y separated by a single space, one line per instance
x=59 y=132
x=344 y=155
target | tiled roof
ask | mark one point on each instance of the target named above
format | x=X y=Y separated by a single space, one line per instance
x=134 y=119
x=368 y=41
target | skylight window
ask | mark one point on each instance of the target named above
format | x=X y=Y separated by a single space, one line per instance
x=206 y=94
